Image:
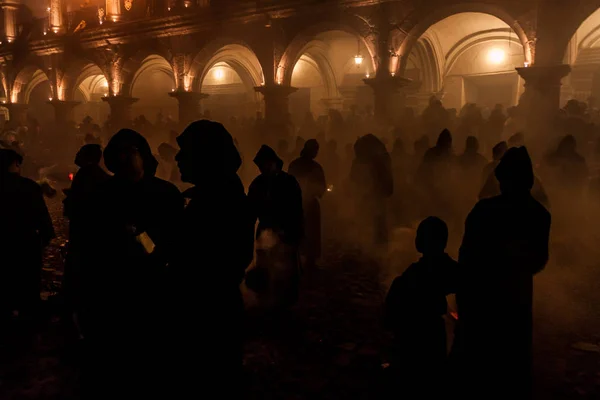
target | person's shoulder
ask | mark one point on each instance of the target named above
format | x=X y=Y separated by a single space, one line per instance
x=538 y=208
x=160 y=185
x=29 y=184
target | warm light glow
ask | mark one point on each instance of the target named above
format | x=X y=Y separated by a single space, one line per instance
x=50 y=99
x=496 y=56
x=100 y=22
x=168 y=8
x=219 y=74
x=393 y=74
x=45 y=33
x=526 y=64
x=368 y=75
x=172 y=90
x=358 y=59
x=48 y=9
x=115 y=19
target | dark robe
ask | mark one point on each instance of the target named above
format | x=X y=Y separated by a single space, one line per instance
x=414 y=310
x=491 y=188
x=26 y=229
x=80 y=207
x=124 y=309
x=276 y=202
x=215 y=246
x=311 y=178
x=505 y=244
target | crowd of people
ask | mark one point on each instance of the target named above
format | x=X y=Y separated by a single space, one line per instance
x=171 y=213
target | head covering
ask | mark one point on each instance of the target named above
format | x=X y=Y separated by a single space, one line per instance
x=88 y=154
x=369 y=147
x=267 y=154
x=472 y=144
x=516 y=140
x=567 y=145
x=124 y=139
x=444 y=139
x=499 y=150
x=311 y=149
x=212 y=146
x=515 y=171
x=7 y=158
x=165 y=150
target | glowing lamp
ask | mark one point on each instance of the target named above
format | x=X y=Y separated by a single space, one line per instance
x=50 y=99
x=496 y=56
x=358 y=59
x=526 y=64
x=219 y=74
x=367 y=75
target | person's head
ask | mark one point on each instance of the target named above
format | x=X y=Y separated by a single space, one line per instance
x=267 y=160
x=10 y=161
x=398 y=146
x=471 y=145
x=90 y=154
x=516 y=140
x=515 y=171
x=206 y=151
x=128 y=155
x=567 y=145
x=444 y=140
x=432 y=236
x=499 y=150
x=167 y=152
x=311 y=149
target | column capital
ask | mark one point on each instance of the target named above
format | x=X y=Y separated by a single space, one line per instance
x=183 y=95
x=119 y=100
x=387 y=82
x=544 y=75
x=275 y=90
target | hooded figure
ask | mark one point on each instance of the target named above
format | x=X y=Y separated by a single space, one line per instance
x=567 y=169
x=136 y=225
x=311 y=178
x=26 y=230
x=80 y=208
x=276 y=202
x=471 y=164
x=215 y=246
x=372 y=178
x=435 y=178
x=504 y=245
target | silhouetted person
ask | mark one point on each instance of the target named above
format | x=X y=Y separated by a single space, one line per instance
x=276 y=202
x=497 y=153
x=504 y=245
x=125 y=315
x=79 y=207
x=401 y=169
x=414 y=310
x=494 y=126
x=311 y=178
x=567 y=169
x=373 y=182
x=435 y=177
x=215 y=246
x=471 y=163
x=26 y=229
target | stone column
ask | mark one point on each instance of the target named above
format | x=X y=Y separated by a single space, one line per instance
x=56 y=16
x=113 y=10
x=17 y=113
x=541 y=100
x=190 y=108
x=276 y=99
x=9 y=9
x=385 y=92
x=120 y=110
x=63 y=111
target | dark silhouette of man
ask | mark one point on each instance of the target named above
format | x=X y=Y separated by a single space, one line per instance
x=414 y=310
x=567 y=169
x=276 y=202
x=124 y=318
x=26 y=230
x=504 y=245
x=311 y=178
x=215 y=246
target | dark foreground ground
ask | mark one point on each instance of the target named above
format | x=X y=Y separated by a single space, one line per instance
x=332 y=346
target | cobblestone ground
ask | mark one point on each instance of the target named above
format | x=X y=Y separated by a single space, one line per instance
x=332 y=346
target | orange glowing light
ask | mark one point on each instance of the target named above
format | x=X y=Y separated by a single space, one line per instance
x=71 y=176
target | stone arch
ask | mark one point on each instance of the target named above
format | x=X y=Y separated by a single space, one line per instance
x=26 y=79
x=572 y=20
x=425 y=18
x=237 y=54
x=77 y=72
x=298 y=45
x=426 y=56
x=141 y=61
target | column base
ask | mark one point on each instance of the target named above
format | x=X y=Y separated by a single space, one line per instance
x=120 y=110
x=277 y=115
x=385 y=89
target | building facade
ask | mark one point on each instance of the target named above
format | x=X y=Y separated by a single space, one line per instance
x=264 y=55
